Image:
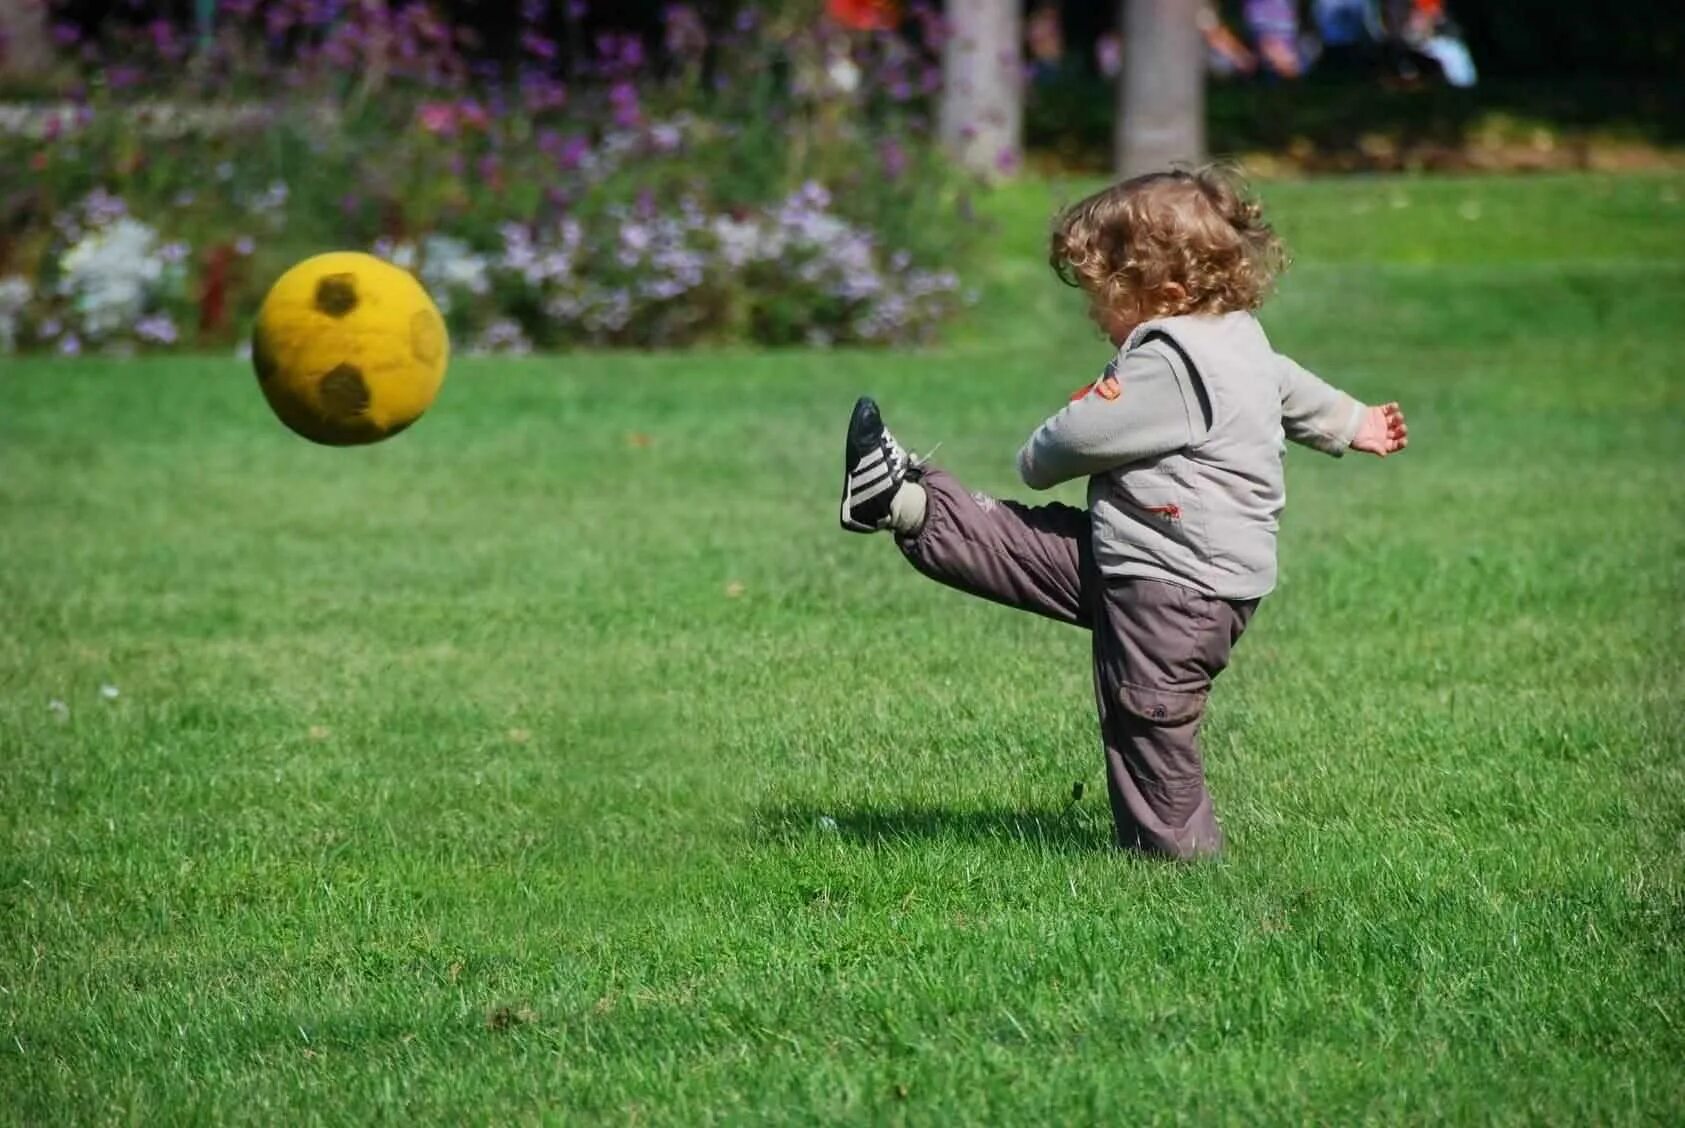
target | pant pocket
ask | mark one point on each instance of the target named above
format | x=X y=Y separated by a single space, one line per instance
x=1160 y=707
x=1160 y=748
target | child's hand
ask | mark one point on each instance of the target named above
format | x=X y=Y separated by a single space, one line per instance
x=1382 y=431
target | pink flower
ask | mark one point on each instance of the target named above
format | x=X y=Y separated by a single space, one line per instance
x=436 y=117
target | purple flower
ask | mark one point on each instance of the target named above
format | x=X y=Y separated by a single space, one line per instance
x=1006 y=161
x=471 y=113
x=623 y=96
x=538 y=46
x=173 y=252
x=244 y=245
x=539 y=92
x=576 y=9
x=70 y=346
x=685 y=35
x=101 y=207
x=164 y=39
x=156 y=329
x=894 y=158
x=574 y=152
x=66 y=35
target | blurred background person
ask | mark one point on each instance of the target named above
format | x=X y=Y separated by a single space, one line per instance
x=1226 y=53
x=1429 y=30
x=1274 y=28
x=1044 y=43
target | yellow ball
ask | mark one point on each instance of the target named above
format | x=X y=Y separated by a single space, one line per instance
x=349 y=349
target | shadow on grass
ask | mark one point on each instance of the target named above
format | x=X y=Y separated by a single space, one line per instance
x=1071 y=830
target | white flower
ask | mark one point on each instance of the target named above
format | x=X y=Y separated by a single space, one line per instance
x=744 y=241
x=503 y=336
x=109 y=273
x=450 y=264
x=15 y=293
x=844 y=75
x=398 y=254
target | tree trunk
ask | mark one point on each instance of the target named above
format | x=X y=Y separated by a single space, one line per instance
x=1161 y=93
x=982 y=115
x=25 y=48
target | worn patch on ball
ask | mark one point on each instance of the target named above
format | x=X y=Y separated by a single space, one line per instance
x=344 y=393
x=427 y=336
x=336 y=294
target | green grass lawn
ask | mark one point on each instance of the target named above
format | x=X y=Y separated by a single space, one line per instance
x=562 y=760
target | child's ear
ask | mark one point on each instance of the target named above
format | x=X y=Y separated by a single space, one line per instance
x=1175 y=294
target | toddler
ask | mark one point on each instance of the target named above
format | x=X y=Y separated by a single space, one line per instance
x=1181 y=439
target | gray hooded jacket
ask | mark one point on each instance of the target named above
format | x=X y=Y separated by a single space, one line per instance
x=1182 y=439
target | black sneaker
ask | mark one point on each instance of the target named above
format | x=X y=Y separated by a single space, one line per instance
x=874 y=466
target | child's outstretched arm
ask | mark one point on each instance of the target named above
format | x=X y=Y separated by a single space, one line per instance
x=1141 y=408
x=1317 y=415
x=1382 y=431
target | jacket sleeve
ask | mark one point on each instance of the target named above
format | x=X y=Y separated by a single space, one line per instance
x=1314 y=414
x=1142 y=407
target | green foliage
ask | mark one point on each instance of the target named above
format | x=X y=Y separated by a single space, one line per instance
x=561 y=760
x=448 y=173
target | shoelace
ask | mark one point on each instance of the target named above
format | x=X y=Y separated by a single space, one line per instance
x=894 y=454
x=898 y=458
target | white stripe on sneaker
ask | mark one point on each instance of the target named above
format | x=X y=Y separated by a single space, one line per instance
x=868 y=493
x=869 y=477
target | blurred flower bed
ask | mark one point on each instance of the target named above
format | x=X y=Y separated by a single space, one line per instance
x=768 y=179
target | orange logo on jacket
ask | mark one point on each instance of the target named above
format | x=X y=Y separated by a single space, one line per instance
x=1106 y=387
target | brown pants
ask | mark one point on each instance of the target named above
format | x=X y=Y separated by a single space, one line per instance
x=1157 y=647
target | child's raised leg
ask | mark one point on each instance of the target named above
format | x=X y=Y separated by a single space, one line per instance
x=1034 y=558
x=1037 y=559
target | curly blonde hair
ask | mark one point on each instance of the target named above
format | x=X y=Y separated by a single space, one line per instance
x=1167 y=243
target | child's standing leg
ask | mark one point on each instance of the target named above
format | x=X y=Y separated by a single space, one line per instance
x=1156 y=645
